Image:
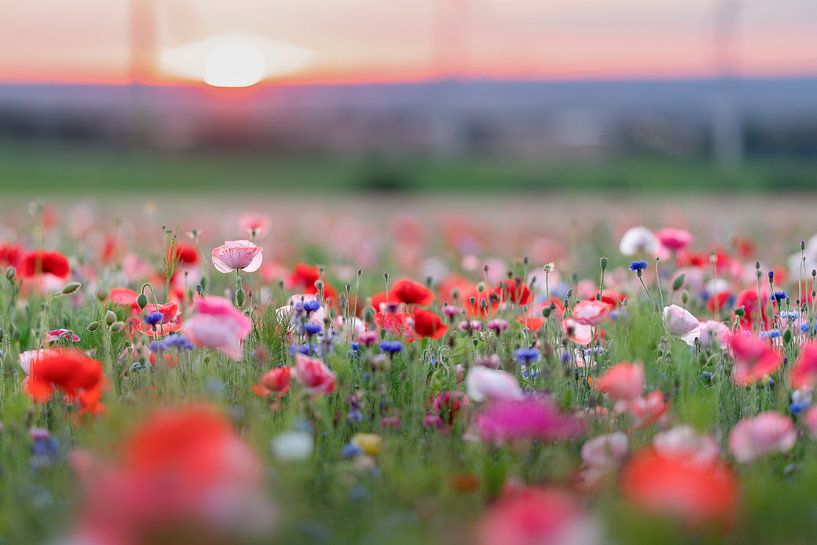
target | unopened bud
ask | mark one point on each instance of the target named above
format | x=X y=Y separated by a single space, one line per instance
x=142 y=300
x=116 y=327
x=110 y=317
x=93 y=326
x=71 y=287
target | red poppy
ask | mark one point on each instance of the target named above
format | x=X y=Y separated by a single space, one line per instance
x=718 y=302
x=275 y=381
x=804 y=372
x=748 y=301
x=77 y=376
x=485 y=303
x=186 y=254
x=411 y=293
x=304 y=277
x=533 y=322
x=516 y=291
x=45 y=262
x=428 y=324
x=681 y=486
x=124 y=296
x=755 y=359
x=10 y=255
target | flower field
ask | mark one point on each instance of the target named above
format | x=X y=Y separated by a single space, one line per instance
x=576 y=373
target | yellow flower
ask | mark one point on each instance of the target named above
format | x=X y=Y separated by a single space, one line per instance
x=369 y=443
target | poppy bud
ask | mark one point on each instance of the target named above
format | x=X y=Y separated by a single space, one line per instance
x=110 y=317
x=802 y=245
x=116 y=327
x=604 y=262
x=239 y=297
x=10 y=272
x=368 y=316
x=93 y=326
x=678 y=282
x=546 y=312
x=71 y=287
x=740 y=312
x=203 y=283
x=685 y=297
x=142 y=301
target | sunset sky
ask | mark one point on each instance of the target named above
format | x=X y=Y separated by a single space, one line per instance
x=381 y=40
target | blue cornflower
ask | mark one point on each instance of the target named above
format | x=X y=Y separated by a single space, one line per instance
x=391 y=347
x=779 y=296
x=311 y=328
x=355 y=416
x=311 y=306
x=526 y=355
x=350 y=450
x=45 y=449
x=804 y=328
x=770 y=334
x=797 y=407
x=305 y=349
x=791 y=315
x=638 y=265
x=154 y=318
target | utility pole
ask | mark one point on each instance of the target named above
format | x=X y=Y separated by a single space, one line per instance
x=727 y=125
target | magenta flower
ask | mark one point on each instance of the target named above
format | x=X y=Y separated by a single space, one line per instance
x=532 y=418
x=219 y=325
x=237 y=255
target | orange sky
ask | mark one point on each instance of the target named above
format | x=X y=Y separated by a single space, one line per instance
x=382 y=40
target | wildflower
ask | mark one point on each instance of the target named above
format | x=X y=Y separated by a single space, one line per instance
x=531 y=516
x=779 y=296
x=590 y=312
x=275 y=381
x=498 y=326
x=46 y=269
x=532 y=418
x=647 y=410
x=154 y=318
x=679 y=321
x=310 y=305
x=638 y=266
x=314 y=375
x=526 y=356
x=709 y=333
x=491 y=361
x=483 y=383
x=311 y=329
x=622 y=382
x=804 y=372
x=754 y=309
x=254 y=224
x=601 y=456
x=684 y=441
x=754 y=359
x=763 y=434
x=56 y=335
x=391 y=347
x=411 y=293
x=369 y=443
x=218 y=324
x=674 y=240
x=446 y=408
x=470 y=326
x=45 y=449
x=577 y=332
x=292 y=446
x=681 y=487
x=811 y=421
x=515 y=291
x=637 y=240
x=78 y=377
x=236 y=255
x=428 y=324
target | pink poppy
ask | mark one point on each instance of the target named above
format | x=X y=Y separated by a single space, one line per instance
x=804 y=373
x=710 y=333
x=754 y=359
x=622 y=382
x=314 y=375
x=684 y=441
x=577 y=332
x=605 y=452
x=532 y=418
x=674 y=240
x=811 y=421
x=766 y=433
x=647 y=410
x=237 y=255
x=58 y=334
x=253 y=224
x=492 y=384
x=590 y=312
x=679 y=321
x=218 y=324
x=533 y=516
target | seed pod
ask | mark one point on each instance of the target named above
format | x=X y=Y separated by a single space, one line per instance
x=116 y=327
x=110 y=317
x=71 y=287
x=240 y=295
x=93 y=326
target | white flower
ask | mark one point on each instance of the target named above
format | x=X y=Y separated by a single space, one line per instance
x=679 y=320
x=492 y=384
x=638 y=240
x=292 y=446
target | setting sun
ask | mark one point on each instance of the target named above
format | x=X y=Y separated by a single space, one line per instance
x=234 y=65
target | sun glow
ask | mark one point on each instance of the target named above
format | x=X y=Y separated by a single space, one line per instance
x=234 y=65
x=234 y=60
